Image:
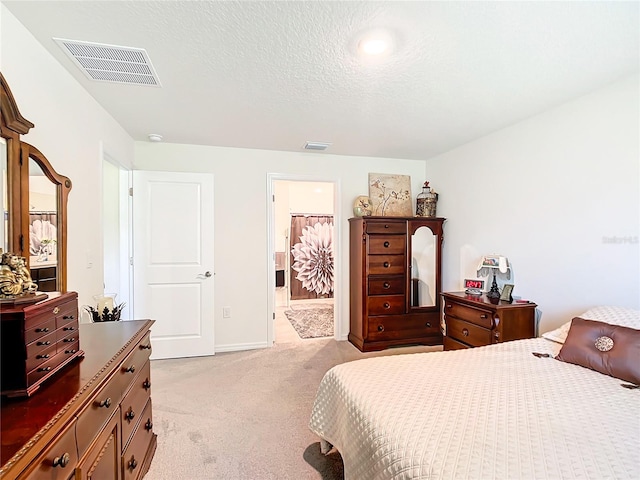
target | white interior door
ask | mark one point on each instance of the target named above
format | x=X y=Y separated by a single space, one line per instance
x=173 y=260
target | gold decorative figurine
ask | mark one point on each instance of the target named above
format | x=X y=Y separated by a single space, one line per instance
x=15 y=278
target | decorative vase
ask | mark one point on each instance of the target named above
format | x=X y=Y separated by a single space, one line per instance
x=426 y=202
x=106 y=309
x=362 y=206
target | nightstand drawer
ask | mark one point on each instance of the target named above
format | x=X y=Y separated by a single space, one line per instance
x=385 y=305
x=387 y=244
x=451 y=344
x=481 y=317
x=387 y=285
x=468 y=333
x=385 y=264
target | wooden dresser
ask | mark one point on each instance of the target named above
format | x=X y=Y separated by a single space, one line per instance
x=37 y=340
x=475 y=321
x=93 y=420
x=385 y=309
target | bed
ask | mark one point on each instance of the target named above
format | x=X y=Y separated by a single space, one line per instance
x=495 y=412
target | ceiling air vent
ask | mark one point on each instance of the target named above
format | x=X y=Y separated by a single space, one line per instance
x=110 y=63
x=316 y=145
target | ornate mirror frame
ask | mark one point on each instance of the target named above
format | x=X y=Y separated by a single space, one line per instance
x=12 y=126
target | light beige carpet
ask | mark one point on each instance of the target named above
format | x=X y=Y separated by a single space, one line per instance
x=244 y=415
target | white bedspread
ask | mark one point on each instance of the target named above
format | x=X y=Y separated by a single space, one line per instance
x=494 y=412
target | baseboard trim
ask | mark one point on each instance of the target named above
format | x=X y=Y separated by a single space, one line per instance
x=238 y=347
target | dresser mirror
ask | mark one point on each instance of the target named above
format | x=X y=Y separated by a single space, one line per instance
x=34 y=199
x=424 y=257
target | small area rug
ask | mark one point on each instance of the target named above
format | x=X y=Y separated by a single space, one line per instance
x=312 y=321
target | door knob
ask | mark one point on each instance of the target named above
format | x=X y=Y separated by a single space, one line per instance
x=207 y=274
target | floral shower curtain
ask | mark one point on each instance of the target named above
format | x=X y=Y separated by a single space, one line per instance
x=311 y=256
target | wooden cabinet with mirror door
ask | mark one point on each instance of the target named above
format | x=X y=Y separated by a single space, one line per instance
x=34 y=200
x=395 y=281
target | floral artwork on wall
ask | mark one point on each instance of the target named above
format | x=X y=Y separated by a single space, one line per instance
x=390 y=195
x=312 y=256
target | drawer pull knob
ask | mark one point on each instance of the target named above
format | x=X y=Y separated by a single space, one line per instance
x=132 y=464
x=145 y=347
x=386 y=244
x=56 y=310
x=386 y=226
x=62 y=461
x=448 y=305
x=386 y=264
x=149 y=425
x=69 y=340
x=146 y=384
x=68 y=329
x=484 y=315
x=496 y=335
x=386 y=305
x=131 y=369
x=465 y=332
x=69 y=352
x=40 y=344
x=44 y=369
x=129 y=415
x=381 y=328
x=386 y=285
x=428 y=324
x=46 y=355
x=106 y=403
x=68 y=317
x=42 y=330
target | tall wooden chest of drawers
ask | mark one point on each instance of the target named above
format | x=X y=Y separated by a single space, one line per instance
x=94 y=420
x=37 y=341
x=384 y=306
x=475 y=321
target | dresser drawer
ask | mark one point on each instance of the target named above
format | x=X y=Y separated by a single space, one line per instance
x=388 y=227
x=395 y=327
x=481 y=317
x=46 y=326
x=385 y=305
x=134 y=402
x=133 y=363
x=59 y=460
x=381 y=285
x=135 y=453
x=387 y=244
x=385 y=264
x=468 y=333
x=93 y=417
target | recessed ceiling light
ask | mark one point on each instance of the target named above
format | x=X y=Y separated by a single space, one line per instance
x=154 y=137
x=375 y=43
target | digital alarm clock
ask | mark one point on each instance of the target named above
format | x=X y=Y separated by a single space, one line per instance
x=474 y=286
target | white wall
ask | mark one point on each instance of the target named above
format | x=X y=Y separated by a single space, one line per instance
x=547 y=193
x=241 y=254
x=72 y=130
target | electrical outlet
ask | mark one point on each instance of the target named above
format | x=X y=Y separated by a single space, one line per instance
x=226 y=312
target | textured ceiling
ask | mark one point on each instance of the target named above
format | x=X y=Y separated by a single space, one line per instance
x=273 y=75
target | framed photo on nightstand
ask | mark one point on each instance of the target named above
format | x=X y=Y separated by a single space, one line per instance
x=507 y=290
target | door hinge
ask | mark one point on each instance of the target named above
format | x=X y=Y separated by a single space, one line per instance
x=131 y=191
x=131 y=261
x=274 y=197
x=274 y=315
x=21 y=243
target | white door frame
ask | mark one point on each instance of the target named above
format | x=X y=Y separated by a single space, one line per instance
x=271 y=256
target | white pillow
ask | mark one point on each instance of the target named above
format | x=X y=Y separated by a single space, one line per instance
x=625 y=317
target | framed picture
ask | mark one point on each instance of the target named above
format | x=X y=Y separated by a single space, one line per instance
x=390 y=195
x=491 y=261
x=507 y=290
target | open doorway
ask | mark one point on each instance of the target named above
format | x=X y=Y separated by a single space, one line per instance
x=303 y=239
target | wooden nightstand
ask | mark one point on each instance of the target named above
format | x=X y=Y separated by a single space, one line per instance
x=475 y=321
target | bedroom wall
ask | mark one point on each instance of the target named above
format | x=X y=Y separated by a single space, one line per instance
x=552 y=193
x=72 y=130
x=241 y=256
